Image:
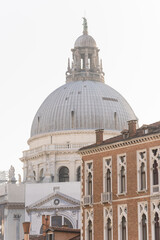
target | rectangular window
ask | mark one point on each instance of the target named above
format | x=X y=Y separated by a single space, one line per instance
x=108 y=223
x=88 y=198
x=107 y=180
x=155 y=217
x=122 y=176
x=141 y=170
x=155 y=169
x=143 y=220
x=89 y=224
x=122 y=222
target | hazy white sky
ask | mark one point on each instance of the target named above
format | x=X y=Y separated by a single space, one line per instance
x=35 y=41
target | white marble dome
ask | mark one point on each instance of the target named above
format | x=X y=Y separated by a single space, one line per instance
x=82 y=105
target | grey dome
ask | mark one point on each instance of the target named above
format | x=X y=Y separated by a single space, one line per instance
x=82 y=105
x=85 y=40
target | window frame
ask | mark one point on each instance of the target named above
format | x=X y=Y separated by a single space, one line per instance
x=140 y=161
x=107 y=214
x=154 y=188
x=120 y=164
x=86 y=176
x=142 y=211
x=107 y=167
x=122 y=212
x=63 y=167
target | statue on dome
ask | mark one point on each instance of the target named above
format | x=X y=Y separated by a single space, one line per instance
x=85 y=26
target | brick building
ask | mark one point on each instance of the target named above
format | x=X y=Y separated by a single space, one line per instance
x=121 y=185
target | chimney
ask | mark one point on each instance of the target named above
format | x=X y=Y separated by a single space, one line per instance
x=45 y=223
x=26 y=228
x=99 y=136
x=132 y=127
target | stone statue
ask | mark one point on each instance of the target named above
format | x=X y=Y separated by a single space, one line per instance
x=11 y=175
x=85 y=26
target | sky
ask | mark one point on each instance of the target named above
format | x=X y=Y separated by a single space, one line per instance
x=36 y=37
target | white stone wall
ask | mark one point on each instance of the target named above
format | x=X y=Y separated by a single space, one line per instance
x=58 y=149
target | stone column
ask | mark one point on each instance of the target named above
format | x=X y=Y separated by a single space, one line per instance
x=54 y=168
x=86 y=59
x=72 y=170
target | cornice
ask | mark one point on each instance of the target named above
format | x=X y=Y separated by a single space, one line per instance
x=13 y=205
x=44 y=153
x=48 y=198
x=120 y=144
x=51 y=208
x=69 y=132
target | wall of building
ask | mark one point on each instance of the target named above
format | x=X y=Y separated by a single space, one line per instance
x=132 y=198
x=12 y=202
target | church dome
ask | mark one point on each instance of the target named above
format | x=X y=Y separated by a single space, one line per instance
x=85 y=101
x=85 y=41
x=82 y=105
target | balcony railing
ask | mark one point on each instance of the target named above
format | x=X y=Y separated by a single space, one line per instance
x=53 y=147
x=106 y=197
x=88 y=199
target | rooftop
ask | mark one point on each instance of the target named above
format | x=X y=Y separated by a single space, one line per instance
x=144 y=130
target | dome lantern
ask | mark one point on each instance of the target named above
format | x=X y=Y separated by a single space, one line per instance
x=85 y=63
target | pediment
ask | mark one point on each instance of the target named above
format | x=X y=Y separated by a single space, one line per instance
x=56 y=200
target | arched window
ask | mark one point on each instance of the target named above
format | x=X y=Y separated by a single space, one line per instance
x=122 y=174
x=157 y=227
x=143 y=176
x=123 y=230
x=144 y=227
x=89 y=184
x=155 y=173
x=59 y=221
x=109 y=229
x=64 y=174
x=89 y=230
x=79 y=174
x=108 y=181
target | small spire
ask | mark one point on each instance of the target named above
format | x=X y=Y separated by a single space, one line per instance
x=69 y=65
x=85 y=26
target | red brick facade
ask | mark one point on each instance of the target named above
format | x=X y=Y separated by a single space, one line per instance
x=130 y=209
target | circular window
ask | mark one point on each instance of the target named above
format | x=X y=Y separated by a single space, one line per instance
x=56 y=201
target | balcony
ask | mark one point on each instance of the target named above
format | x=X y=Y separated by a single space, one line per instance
x=87 y=200
x=106 y=197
